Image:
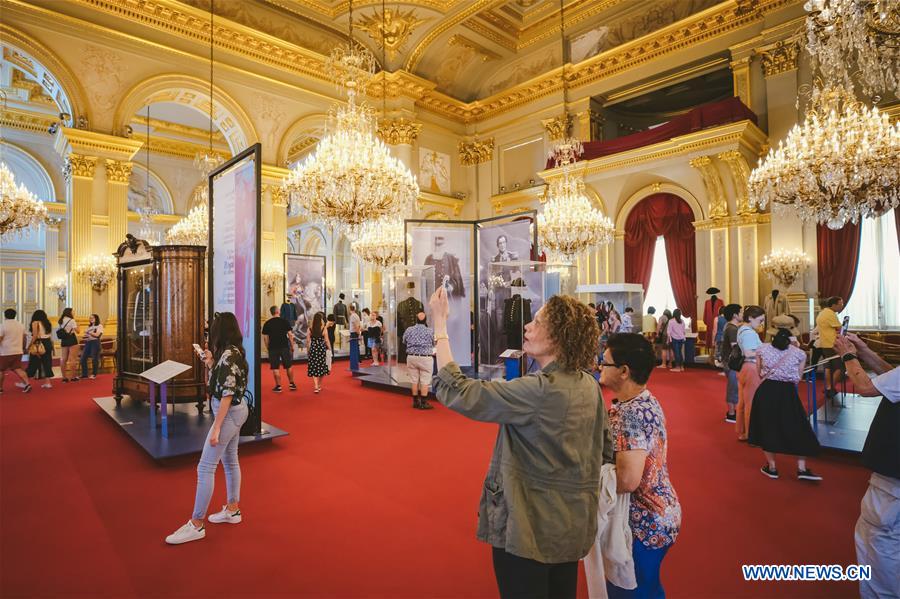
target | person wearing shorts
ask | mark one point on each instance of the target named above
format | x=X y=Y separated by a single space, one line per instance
x=277 y=337
x=419 y=341
x=12 y=345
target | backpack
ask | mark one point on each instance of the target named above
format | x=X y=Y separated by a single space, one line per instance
x=66 y=339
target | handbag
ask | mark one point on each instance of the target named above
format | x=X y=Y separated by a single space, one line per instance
x=735 y=358
x=37 y=348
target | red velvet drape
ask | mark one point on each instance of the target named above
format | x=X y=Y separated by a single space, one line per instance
x=838 y=257
x=667 y=215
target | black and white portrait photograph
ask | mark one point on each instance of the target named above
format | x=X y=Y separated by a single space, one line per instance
x=304 y=291
x=448 y=249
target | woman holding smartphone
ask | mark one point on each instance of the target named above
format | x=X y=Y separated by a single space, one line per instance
x=227 y=383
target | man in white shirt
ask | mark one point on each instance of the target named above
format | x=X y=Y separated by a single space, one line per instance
x=878 y=527
x=12 y=346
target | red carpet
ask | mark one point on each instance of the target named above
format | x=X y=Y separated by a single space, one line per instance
x=369 y=498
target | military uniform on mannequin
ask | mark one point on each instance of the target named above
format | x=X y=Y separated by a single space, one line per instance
x=710 y=313
x=340 y=311
x=406 y=317
x=776 y=304
x=516 y=314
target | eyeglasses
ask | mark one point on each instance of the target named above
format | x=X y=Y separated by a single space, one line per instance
x=603 y=364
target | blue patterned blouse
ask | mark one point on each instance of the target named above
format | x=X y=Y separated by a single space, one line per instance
x=419 y=340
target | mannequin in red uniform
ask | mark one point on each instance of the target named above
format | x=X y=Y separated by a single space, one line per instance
x=710 y=313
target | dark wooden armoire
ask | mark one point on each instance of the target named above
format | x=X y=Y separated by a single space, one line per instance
x=161 y=314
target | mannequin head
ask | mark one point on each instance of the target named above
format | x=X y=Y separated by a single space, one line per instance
x=774 y=294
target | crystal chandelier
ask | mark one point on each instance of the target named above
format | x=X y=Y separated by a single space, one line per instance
x=839 y=165
x=858 y=39
x=272 y=275
x=568 y=223
x=58 y=286
x=98 y=270
x=19 y=208
x=784 y=266
x=193 y=229
x=351 y=177
x=381 y=243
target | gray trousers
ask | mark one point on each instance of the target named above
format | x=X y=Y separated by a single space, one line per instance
x=731 y=389
x=877 y=537
x=225 y=451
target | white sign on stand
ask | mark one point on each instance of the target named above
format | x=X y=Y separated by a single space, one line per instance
x=160 y=375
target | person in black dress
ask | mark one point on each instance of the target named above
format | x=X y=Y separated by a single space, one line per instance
x=318 y=344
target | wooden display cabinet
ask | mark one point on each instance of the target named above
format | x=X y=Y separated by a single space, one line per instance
x=161 y=314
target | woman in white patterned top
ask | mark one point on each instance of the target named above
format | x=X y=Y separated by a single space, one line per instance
x=778 y=422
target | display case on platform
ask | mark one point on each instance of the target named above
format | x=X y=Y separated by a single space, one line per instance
x=405 y=292
x=512 y=295
x=161 y=314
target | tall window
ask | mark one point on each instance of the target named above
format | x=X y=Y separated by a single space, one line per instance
x=875 y=301
x=659 y=291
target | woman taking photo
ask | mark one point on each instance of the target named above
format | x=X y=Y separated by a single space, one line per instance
x=640 y=441
x=227 y=383
x=91 y=346
x=41 y=366
x=748 y=376
x=319 y=345
x=539 y=500
x=676 y=333
x=68 y=342
x=778 y=422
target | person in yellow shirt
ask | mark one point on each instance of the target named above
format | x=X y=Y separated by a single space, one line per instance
x=649 y=323
x=829 y=326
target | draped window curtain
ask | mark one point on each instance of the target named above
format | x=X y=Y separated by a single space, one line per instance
x=838 y=258
x=667 y=215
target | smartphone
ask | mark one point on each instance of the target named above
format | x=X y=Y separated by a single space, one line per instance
x=199 y=351
x=845 y=325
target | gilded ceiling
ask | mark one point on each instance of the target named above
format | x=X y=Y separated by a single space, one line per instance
x=470 y=49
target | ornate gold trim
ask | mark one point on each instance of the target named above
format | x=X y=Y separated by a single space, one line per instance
x=784 y=56
x=728 y=222
x=475 y=151
x=558 y=127
x=507 y=203
x=399 y=131
x=78 y=165
x=432 y=199
x=183 y=149
x=118 y=171
x=35 y=122
x=715 y=191
x=740 y=174
x=159 y=219
x=96 y=144
x=160 y=126
x=474 y=8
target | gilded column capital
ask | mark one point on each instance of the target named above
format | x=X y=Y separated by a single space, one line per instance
x=718 y=205
x=78 y=165
x=118 y=171
x=740 y=174
x=53 y=223
x=475 y=151
x=279 y=196
x=399 y=131
x=558 y=127
x=782 y=57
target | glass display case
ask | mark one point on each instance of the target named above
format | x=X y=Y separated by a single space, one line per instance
x=406 y=291
x=509 y=299
x=622 y=295
x=137 y=321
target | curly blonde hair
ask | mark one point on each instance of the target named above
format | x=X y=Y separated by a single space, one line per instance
x=573 y=331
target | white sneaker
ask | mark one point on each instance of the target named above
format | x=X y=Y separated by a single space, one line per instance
x=225 y=516
x=46 y=386
x=186 y=534
x=21 y=385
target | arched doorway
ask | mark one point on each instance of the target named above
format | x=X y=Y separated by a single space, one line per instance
x=663 y=222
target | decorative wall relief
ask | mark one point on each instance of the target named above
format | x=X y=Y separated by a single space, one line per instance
x=718 y=205
x=102 y=79
x=518 y=72
x=271 y=119
x=434 y=171
x=392 y=29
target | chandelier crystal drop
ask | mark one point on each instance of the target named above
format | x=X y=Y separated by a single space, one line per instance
x=351 y=176
x=19 y=208
x=856 y=39
x=839 y=165
x=381 y=243
x=98 y=270
x=568 y=223
x=193 y=229
x=784 y=266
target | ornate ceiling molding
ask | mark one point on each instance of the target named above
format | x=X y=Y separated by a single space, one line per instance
x=91 y=143
x=391 y=28
x=27 y=121
x=442 y=27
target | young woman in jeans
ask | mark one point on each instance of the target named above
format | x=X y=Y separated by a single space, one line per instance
x=91 y=346
x=676 y=334
x=227 y=383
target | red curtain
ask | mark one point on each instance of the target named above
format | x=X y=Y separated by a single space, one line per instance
x=667 y=215
x=838 y=257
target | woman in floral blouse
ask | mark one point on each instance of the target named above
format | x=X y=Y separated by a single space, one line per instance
x=227 y=383
x=638 y=429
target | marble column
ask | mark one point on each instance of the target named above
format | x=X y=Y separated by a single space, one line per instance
x=79 y=171
x=51 y=263
x=118 y=174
